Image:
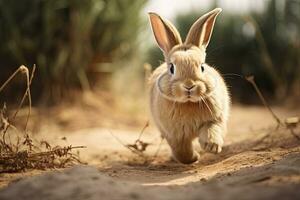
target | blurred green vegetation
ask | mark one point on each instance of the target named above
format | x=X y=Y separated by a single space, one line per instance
x=76 y=43
x=265 y=44
x=66 y=39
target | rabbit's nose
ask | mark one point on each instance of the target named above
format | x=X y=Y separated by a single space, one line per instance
x=189 y=87
x=188 y=84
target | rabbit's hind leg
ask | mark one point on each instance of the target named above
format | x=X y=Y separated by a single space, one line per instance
x=183 y=151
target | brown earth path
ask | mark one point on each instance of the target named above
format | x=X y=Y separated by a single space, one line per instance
x=250 y=166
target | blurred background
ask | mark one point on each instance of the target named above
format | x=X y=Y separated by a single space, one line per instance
x=102 y=46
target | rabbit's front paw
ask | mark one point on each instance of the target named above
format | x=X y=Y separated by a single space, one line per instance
x=212 y=147
x=211 y=140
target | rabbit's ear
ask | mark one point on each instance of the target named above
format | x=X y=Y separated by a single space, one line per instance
x=201 y=30
x=165 y=33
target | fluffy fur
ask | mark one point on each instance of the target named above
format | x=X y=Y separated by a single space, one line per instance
x=193 y=101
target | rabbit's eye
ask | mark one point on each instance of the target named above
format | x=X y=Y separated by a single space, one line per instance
x=172 y=68
x=202 y=67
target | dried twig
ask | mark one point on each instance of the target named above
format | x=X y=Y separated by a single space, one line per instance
x=127 y=146
x=58 y=157
x=27 y=93
x=143 y=130
x=24 y=70
x=20 y=69
x=263 y=100
x=139 y=147
x=28 y=154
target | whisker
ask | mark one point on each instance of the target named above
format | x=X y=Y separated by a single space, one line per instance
x=174 y=104
x=211 y=113
x=229 y=77
x=200 y=105
x=233 y=74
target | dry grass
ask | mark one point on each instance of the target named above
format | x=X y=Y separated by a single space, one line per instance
x=290 y=123
x=18 y=150
x=139 y=147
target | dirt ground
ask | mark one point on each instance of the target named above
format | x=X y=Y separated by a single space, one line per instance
x=257 y=162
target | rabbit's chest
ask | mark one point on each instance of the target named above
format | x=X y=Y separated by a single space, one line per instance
x=185 y=118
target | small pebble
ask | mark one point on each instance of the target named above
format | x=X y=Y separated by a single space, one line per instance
x=203 y=179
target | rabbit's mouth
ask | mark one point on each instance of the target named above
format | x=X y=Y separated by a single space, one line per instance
x=185 y=96
x=190 y=98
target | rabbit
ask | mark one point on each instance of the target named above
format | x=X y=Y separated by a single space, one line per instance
x=188 y=98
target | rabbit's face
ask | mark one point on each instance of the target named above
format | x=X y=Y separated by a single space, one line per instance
x=188 y=78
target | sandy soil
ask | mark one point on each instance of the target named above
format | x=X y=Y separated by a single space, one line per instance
x=250 y=166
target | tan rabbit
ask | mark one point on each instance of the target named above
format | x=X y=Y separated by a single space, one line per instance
x=188 y=98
